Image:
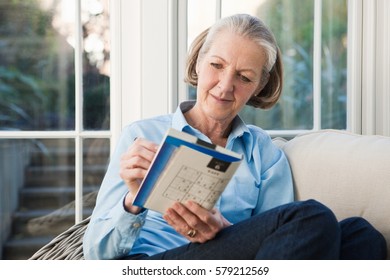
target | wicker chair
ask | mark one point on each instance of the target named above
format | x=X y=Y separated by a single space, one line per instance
x=66 y=246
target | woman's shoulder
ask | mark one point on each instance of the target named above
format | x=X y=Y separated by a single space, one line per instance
x=258 y=133
x=153 y=128
x=161 y=121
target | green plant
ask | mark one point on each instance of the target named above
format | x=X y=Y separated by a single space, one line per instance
x=20 y=99
x=292 y=22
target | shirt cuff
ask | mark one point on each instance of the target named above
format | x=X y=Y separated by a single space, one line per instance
x=124 y=207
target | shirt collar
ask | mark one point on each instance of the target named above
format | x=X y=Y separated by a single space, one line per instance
x=179 y=122
x=240 y=131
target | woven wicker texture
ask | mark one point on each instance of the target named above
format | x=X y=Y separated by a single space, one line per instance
x=66 y=246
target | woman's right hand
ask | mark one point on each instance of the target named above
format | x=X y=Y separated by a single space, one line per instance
x=133 y=167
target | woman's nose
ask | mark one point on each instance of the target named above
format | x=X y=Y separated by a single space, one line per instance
x=226 y=81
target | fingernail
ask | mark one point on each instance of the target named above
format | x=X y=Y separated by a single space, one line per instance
x=189 y=203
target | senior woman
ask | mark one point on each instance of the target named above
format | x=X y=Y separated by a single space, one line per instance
x=234 y=63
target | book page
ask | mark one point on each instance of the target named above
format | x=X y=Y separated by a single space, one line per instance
x=191 y=175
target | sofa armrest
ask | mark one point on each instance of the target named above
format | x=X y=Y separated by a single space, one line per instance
x=349 y=173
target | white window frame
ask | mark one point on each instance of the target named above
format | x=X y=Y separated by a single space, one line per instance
x=149 y=92
x=369 y=67
x=147 y=58
x=147 y=81
x=78 y=134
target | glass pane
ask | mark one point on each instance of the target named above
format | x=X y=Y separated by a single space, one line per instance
x=96 y=65
x=201 y=15
x=37 y=92
x=36 y=65
x=37 y=193
x=293 y=26
x=230 y=7
x=96 y=156
x=334 y=64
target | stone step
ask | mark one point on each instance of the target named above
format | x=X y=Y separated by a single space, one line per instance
x=24 y=248
x=34 y=229
x=66 y=155
x=45 y=222
x=47 y=200
x=54 y=197
x=62 y=175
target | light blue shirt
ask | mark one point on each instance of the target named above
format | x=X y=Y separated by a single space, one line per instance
x=262 y=182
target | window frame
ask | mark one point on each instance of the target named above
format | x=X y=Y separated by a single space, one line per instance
x=368 y=67
x=78 y=134
x=368 y=61
x=146 y=79
x=173 y=14
x=133 y=58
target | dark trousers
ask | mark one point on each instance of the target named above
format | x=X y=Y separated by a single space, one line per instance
x=295 y=231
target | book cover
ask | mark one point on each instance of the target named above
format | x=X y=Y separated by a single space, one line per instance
x=186 y=168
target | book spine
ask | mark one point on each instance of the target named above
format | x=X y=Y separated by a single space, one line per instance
x=157 y=167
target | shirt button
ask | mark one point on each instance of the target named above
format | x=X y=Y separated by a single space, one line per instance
x=136 y=225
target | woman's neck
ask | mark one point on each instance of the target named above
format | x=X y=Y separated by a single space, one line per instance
x=217 y=131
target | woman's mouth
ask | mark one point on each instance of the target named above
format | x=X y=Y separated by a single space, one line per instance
x=220 y=100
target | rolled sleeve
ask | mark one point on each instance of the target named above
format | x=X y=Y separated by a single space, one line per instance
x=116 y=234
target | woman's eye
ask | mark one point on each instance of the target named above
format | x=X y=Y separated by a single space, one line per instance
x=244 y=79
x=216 y=65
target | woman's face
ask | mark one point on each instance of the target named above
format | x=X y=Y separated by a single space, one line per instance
x=229 y=74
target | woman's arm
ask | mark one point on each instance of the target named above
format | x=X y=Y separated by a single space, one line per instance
x=116 y=223
x=276 y=180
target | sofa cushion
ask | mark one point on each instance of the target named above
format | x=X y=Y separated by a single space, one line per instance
x=347 y=172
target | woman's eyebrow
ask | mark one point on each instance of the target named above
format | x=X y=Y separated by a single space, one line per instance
x=238 y=70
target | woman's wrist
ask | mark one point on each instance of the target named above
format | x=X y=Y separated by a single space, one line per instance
x=128 y=204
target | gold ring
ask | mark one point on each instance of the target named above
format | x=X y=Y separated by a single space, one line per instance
x=191 y=233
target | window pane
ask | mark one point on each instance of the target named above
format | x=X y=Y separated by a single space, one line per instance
x=96 y=85
x=201 y=15
x=96 y=155
x=36 y=65
x=37 y=178
x=334 y=64
x=37 y=92
x=293 y=25
x=292 y=22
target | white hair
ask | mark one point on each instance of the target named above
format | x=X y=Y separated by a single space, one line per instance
x=249 y=27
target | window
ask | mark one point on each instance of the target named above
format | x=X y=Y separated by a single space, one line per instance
x=59 y=122
x=54 y=117
x=312 y=35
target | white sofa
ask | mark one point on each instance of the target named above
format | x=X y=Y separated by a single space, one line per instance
x=349 y=173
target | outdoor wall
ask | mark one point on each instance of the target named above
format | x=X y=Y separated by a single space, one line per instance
x=13 y=159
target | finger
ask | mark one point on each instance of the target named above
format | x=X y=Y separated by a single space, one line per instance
x=212 y=220
x=190 y=218
x=201 y=212
x=134 y=162
x=207 y=217
x=176 y=221
x=138 y=157
x=144 y=147
x=134 y=174
x=141 y=148
x=132 y=170
x=182 y=227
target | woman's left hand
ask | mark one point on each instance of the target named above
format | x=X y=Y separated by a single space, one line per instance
x=194 y=222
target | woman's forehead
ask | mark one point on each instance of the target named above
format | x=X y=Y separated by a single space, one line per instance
x=231 y=47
